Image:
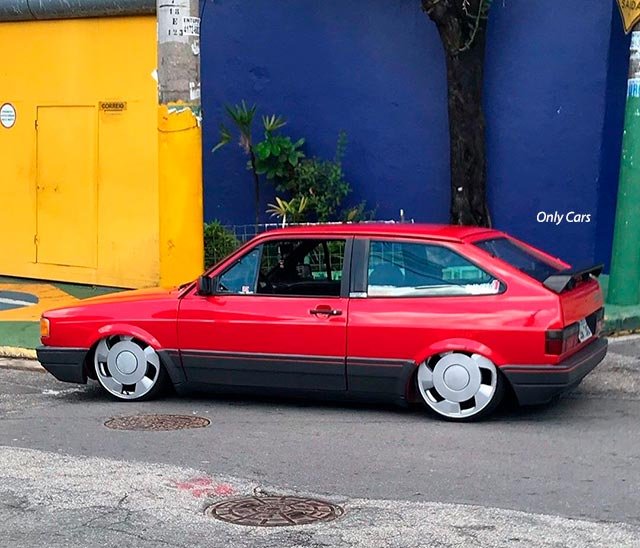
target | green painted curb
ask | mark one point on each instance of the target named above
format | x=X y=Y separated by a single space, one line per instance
x=20 y=334
x=621 y=318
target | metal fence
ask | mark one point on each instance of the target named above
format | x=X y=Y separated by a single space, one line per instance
x=244 y=233
x=219 y=243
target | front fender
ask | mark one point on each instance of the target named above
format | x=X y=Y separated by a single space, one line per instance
x=126 y=329
x=170 y=357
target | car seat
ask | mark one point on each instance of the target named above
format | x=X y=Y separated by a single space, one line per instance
x=387 y=274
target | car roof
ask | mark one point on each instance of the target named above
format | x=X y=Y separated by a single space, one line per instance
x=451 y=233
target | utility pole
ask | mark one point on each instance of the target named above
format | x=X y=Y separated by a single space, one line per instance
x=179 y=139
x=179 y=52
x=624 y=282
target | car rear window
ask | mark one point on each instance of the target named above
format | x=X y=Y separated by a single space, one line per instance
x=519 y=257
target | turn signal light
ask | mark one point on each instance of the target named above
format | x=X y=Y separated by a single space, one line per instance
x=44 y=327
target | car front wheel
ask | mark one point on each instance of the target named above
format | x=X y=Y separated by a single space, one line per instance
x=459 y=386
x=128 y=369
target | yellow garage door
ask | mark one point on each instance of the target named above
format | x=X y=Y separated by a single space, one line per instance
x=66 y=186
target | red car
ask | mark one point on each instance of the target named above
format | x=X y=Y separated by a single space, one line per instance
x=451 y=316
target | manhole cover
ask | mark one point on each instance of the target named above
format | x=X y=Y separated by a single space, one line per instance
x=274 y=511
x=157 y=422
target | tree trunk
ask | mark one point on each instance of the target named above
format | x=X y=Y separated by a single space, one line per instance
x=464 y=46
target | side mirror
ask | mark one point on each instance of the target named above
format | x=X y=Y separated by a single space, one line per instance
x=206 y=285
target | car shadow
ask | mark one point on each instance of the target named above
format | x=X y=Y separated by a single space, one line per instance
x=508 y=412
x=324 y=402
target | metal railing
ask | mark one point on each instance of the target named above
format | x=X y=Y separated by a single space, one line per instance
x=244 y=233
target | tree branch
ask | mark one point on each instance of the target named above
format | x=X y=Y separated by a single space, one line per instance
x=461 y=21
x=437 y=10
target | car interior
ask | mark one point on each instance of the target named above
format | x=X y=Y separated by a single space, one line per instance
x=301 y=268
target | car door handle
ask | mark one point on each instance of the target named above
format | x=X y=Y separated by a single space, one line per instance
x=325 y=311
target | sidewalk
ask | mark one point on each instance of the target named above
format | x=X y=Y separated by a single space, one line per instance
x=22 y=301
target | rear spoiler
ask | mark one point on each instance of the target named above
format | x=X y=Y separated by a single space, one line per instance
x=567 y=279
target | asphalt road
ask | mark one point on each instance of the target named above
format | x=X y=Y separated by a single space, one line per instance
x=561 y=475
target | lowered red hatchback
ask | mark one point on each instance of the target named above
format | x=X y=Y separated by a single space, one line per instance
x=449 y=316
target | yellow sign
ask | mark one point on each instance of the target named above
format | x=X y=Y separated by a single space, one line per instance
x=630 y=11
x=113 y=106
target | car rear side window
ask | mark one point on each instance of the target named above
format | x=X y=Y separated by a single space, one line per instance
x=402 y=269
x=519 y=257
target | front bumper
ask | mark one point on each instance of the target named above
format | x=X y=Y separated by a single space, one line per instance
x=65 y=364
x=537 y=384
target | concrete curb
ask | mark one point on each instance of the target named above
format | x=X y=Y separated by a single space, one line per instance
x=15 y=352
x=21 y=364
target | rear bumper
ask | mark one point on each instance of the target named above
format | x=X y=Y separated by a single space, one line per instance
x=537 y=384
x=65 y=364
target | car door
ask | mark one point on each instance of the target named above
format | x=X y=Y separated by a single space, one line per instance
x=278 y=318
x=408 y=295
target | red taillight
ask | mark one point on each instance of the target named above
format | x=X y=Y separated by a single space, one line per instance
x=559 y=341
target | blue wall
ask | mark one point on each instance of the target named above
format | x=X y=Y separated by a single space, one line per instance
x=555 y=88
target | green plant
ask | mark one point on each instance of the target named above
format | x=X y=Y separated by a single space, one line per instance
x=313 y=189
x=277 y=155
x=289 y=210
x=218 y=242
x=242 y=116
x=358 y=213
x=322 y=182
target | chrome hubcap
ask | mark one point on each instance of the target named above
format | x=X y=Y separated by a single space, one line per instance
x=457 y=385
x=456 y=378
x=126 y=362
x=125 y=367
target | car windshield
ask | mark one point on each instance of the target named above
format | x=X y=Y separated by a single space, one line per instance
x=519 y=257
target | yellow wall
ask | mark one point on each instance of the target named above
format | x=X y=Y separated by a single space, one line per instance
x=101 y=196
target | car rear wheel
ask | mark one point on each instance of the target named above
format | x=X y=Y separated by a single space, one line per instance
x=128 y=369
x=460 y=387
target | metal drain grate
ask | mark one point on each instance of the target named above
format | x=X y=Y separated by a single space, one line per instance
x=274 y=511
x=157 y=422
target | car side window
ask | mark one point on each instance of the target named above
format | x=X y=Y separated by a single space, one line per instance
x=242 y=277
x=307 y=267
x=402 y=269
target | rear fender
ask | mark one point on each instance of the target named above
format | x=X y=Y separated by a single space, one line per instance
x=447 y=345
x=460 y=345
